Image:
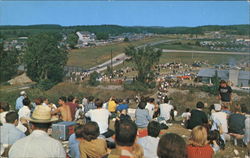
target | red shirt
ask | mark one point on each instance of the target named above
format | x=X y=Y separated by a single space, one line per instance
x=200 y=152
x=72 y=109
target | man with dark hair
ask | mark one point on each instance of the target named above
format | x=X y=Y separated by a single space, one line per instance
x=24 y=112
x=90 y=105
x=64 y=110
x=150 y=142
x=165 y=109
x=198 y=117
x=74 y=142
x=4 y=109
x=225 y=93
x=38 y=143
x=101 y=117
x=72 y=106
x=125 y=136
x=9 y=133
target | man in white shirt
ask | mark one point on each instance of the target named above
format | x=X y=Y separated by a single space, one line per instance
x=151 y=107
x=101 y=117
x=220 y=116
x=38 y=143
x=24 y=112
x=165 y=109
x=150 y=142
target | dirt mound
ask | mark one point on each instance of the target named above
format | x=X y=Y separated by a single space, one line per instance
x=19 y=80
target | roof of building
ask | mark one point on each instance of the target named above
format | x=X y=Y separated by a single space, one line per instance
x=223 y=74
x=244 y=75
x=211 y=73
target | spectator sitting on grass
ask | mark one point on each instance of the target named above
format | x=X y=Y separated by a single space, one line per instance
x=198 y=116
x=122 y=110
x=171 y=146
x=74 y=141
x=91 y=146
x=142 y=115
x=101 y=117
x=150 y=142
x=199 y=146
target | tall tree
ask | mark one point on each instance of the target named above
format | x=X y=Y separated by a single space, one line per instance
x=72 y=40
x=8 y=63
x=44 y=58
x=144 y=59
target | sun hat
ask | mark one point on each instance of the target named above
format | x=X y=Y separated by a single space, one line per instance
x=217 y=107
x=42 y=114
x=22 y=93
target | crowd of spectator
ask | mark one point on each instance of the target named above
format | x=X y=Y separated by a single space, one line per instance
x=136 y=133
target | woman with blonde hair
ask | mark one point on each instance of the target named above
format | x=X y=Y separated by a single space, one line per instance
x=198 y=144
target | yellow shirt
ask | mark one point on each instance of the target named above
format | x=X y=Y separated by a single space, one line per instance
x=111 y=106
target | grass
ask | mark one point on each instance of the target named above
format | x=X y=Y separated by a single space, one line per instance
x=88 y=57
x=188 y=58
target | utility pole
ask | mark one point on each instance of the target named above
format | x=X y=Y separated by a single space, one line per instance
x=111 y=62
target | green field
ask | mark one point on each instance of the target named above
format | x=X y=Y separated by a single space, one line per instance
x=89 y=57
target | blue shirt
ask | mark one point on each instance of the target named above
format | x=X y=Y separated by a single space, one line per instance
x=10 y=134
x=74 y=146
x=142 y=118
x=19 y=102
x=121 y=107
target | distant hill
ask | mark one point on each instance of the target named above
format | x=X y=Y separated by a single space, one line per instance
x=19 y=31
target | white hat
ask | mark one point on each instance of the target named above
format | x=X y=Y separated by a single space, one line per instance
x=22 y=93
x=217 y=107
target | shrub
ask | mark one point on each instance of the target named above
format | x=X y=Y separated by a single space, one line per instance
x=45 y=84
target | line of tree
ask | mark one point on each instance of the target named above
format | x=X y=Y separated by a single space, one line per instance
x=17 y=31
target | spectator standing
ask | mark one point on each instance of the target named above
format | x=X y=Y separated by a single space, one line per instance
x=101 y=117
x=150 y=142
x=19 y=101
x=198 y=144
x=142 y=116
x=73 y=106
x=38 y=143
x=171 y=146
x=198 y=116
x=63 y=110
x=91 y=146
x=165 y=109
x=9 y=133
x=4 y=109
x=225 y=93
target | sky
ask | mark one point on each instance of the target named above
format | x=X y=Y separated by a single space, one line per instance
x=125 y=13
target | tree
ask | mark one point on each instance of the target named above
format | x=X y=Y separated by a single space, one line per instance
x=126 y=39
x=144 y=59
x=44 y=58
x=102 y=36
x=72 y=40
x=93 y=79
x=8 y=63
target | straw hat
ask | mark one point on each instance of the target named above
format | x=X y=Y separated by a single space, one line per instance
x=42 y=114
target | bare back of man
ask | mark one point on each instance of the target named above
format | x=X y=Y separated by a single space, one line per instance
x=65 y=112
